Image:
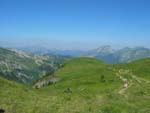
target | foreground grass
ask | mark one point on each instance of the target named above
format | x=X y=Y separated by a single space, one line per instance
x=94 y=89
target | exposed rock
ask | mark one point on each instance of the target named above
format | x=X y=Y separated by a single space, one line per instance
x=46 y=82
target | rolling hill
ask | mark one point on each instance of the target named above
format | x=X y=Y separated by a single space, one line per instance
x=85 y=85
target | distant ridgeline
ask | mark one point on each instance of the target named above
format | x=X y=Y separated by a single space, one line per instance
x=124 y=55
x=105 y=53
x=24 y=68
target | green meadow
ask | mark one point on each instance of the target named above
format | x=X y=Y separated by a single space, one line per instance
x=85 y=85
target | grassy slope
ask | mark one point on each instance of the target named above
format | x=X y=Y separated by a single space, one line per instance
x=90 y=94
x=140 y=68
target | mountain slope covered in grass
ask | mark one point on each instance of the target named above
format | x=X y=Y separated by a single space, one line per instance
x=24 y=68
x=85 y=85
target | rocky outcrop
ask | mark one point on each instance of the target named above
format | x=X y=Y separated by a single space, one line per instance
x=46 y=82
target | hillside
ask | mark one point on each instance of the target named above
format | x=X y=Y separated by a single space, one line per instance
x=141 y=67
x=85 y=85
x=24 y=68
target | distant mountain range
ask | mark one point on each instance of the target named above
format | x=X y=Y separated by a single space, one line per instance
x=25 y=68
x=44 y=50
x=112 y=56
x=105 y=53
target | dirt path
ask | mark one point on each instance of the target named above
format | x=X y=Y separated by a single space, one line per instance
x=139 y=79
x=122 y=91
x=127 y=83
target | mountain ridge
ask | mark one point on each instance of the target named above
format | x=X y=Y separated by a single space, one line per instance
x=105 y=53
x=24 y=68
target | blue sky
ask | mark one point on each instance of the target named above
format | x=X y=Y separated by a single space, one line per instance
x=75 y=24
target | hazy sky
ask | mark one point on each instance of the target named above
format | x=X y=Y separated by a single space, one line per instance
x=74 y=24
